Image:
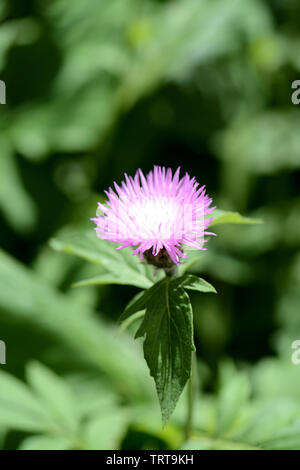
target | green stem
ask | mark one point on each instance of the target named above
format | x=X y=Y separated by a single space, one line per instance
x=191 y=389
x=171 y=271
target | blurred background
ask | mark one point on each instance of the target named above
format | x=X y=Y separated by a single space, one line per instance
x=101 y=87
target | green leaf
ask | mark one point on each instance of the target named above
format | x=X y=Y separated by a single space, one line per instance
x=266 y=143
x=130 y=320
x=207 y=443
x=121 y=267
x=19 y=408
x=191 y=282
x=139 y=302
x=227 y=217
x=55 y=394
x=219 y=217
x=270 y=419
x=105 y=431
x=15 y=203
x=94 y=394
x=168 y=330
x=193 y=257
x=44 y=442
x=233 y=397
x=287 y=438
x=74 y=326
x=105 y=279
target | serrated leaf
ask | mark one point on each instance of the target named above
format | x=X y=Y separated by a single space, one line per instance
x=168 y=330
x=226 y=217
x=187 y=281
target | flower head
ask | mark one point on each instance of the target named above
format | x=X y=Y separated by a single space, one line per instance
x=157 y=215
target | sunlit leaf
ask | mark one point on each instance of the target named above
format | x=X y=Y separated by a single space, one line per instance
x=19 y=407
x=15 y=202
x=207 y=443
x=74 y=325
x=105 y=431
x=121 y=266
x=233 y=397
x=226 y=217
x=44 y=442
x=55 y=394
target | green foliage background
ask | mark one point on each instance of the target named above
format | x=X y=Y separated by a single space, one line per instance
x=99 y=87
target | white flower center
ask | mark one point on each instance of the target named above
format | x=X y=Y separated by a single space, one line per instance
x=157 y=215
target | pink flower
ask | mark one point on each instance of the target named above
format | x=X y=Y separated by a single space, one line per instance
x=157 y=215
